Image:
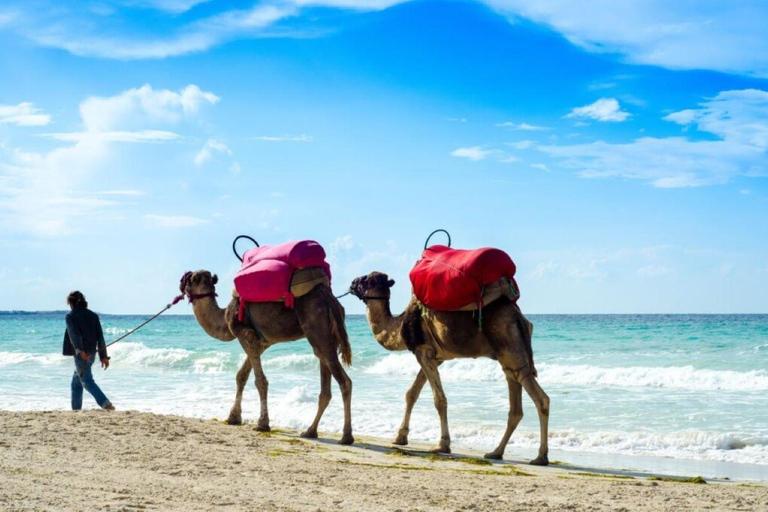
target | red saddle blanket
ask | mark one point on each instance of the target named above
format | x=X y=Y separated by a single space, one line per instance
x=265 y=275
x=448 y=279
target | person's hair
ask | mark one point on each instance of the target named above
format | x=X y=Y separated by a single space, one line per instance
x=76 y=300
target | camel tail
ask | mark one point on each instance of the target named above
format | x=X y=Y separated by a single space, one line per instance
x=338 y=328
x=526 y=329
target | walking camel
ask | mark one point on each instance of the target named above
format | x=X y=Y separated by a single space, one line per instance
x=317 y=316
x=438 y=336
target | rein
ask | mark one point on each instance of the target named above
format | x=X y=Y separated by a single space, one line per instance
x=175 y=301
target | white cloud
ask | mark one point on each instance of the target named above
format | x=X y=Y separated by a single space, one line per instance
x=738 y=118
x=286 y=138
x=523 y=144
x=42 y=193
x=206 y=152
x=521 y=126
x=172 y=6
x=134 y=193
x=722 y=36
x=23 y=114
x=136 y=136
x=175 y=221
x=474 y=153
x=541 y=167
x=604 y=109
x=714 y=35
x=141 y=105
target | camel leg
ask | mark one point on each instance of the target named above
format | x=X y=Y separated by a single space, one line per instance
x=322 y=401
x=541 y=400
x=410 y=400
x=514 y=416
x=345 y=384
x=235 y=414
x=429 y=366
x=262 y=385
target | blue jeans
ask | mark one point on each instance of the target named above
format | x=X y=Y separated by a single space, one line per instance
x=83 y=378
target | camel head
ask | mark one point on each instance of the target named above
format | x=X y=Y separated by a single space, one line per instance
x=198 y=283
x=375 y=285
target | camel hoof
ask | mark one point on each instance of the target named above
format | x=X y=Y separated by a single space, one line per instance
x=347 y=439
x=541 y=460
x=263 y=428
x=440 y=449
x=309 y=434
x=494 y=455
x=400 y=441
x=235 y=420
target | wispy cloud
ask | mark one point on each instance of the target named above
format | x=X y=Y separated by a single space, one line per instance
x=604 y=109
x=722 y=36
x=127 y=192
x=286 y=138
x=175 y=221
x=42 y=193
x=478 y=153
x=136 y=136
x=23 y=114
x=736 y=118
x=521 y=126
x=211 y=146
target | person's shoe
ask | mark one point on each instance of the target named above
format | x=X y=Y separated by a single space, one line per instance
x=110 y=407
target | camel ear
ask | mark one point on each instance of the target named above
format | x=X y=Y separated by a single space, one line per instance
x=391 y=283
x=215 y=279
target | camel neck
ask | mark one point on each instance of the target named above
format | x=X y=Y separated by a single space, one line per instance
x=211 y=318
x=385 y=327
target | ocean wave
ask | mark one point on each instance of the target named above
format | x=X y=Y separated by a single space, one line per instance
x=13 y=358
x=672 y=377
x=291 y=362
x=138 y=354
x=115 y=331
x=696 y=445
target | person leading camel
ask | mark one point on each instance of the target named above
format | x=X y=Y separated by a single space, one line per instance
x=82 y=339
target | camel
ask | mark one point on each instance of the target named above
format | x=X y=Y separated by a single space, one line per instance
x=317 y=316
x=438 y=336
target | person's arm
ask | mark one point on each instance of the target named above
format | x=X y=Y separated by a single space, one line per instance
x=74 y=334
x=102 y=346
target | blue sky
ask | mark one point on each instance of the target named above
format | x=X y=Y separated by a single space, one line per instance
x=617 y=150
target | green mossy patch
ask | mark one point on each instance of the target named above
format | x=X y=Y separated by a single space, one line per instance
x=680 y=480
x=605 y=475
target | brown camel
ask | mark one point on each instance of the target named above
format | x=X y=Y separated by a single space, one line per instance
x=438 y=336
x=317 y=316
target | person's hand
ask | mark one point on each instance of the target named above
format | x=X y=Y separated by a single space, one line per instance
x=105 y=363
x=85 y=356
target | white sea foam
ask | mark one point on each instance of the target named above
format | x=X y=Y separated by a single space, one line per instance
x=291 y=362
x=138 y=354
x=13 y=358
x=672 y=377
x=115 y=331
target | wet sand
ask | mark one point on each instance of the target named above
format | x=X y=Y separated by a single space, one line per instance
x=94 y=460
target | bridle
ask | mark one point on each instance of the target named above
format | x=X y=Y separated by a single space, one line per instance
x=186 y=282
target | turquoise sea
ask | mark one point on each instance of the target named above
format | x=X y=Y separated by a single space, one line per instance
x=678 y=393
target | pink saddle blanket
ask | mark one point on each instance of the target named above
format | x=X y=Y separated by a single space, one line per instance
x=265 y=275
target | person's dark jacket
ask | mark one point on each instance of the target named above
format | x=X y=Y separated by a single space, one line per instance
x=84 y=333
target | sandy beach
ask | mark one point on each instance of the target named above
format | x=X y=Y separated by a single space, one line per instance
x=135 y=461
